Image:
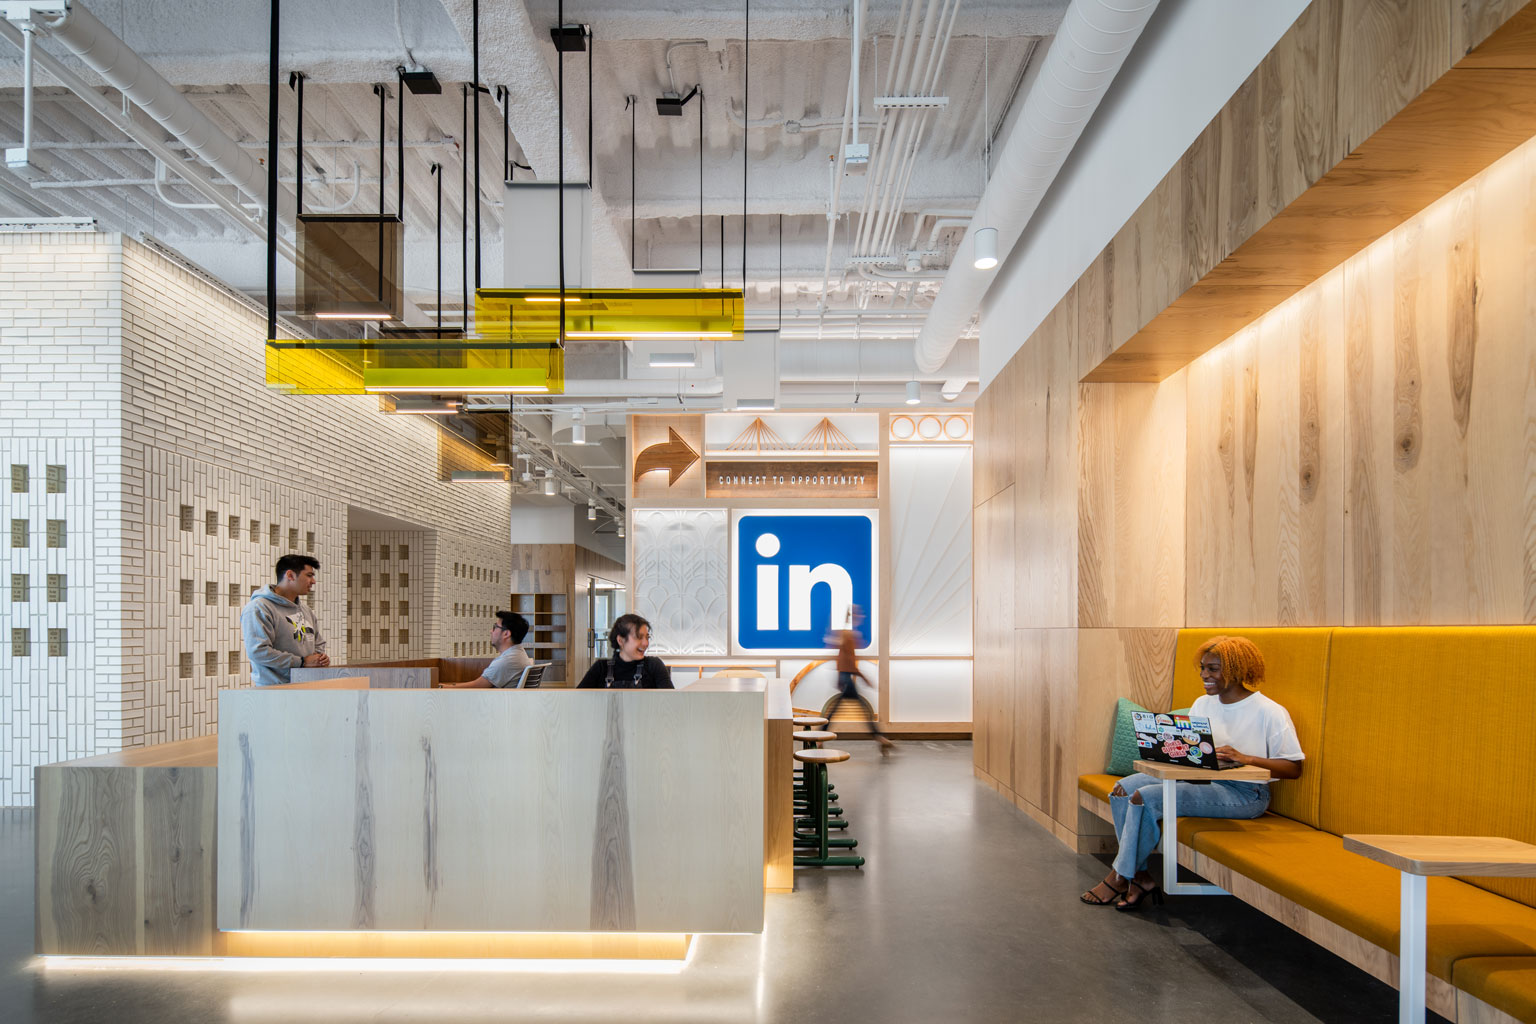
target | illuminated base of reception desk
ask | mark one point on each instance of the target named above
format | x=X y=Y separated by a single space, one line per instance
x=415 y=823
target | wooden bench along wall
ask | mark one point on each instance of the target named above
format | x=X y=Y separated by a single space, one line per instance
x=1399 y=726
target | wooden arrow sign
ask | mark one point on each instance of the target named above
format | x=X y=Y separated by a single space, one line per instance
x=673 y=455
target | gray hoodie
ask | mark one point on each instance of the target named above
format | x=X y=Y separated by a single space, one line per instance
x=279 y=635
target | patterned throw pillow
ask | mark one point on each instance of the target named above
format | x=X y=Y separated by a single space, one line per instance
x=1122 y=748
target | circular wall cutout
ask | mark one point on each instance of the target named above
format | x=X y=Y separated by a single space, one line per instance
x=956 y=427
x=902 y=428
x=929 y=428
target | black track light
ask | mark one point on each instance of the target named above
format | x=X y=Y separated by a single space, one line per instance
x=421 y=83
x=569 y=38
x=671 y=105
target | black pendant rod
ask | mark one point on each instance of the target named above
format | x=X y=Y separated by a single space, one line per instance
x=503 y=96
x=781 y=272
x=399 y=147
x=590 y=182
x=746 y=135
x=296 y=82
x=722 y=250
x=475 y=17
x=437 y=172
x=383 y=93
x=464 y=206
x=701 y=189
x=629 y=101
x=272 y=123
x=560 y=165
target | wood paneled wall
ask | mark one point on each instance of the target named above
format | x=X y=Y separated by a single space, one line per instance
x=1361 y=454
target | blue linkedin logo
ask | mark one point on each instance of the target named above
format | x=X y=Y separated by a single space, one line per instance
x=797 y=575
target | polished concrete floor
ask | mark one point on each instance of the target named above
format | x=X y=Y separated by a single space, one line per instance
x=967 y=911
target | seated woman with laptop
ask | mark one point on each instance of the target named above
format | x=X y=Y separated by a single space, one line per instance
x=1247 y=727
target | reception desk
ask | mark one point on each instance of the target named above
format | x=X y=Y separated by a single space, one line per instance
x=483 y=823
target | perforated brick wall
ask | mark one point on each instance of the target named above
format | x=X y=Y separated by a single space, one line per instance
x=147 y=383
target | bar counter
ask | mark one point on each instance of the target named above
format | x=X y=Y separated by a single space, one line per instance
x=347 y=820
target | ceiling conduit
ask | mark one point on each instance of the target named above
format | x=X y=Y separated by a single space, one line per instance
x=1094 y=39
x=87 y=38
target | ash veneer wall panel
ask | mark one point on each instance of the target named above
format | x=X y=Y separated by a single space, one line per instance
x=996 y=666
x=1044 y=397
x=1442 y=411
x=1112 y=663
x=1130 y=505
x=1265 y=470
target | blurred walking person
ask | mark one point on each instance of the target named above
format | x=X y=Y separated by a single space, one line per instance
x=848 y=675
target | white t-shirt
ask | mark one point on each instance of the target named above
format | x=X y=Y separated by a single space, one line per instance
x=508 y=667
x=1255 y=725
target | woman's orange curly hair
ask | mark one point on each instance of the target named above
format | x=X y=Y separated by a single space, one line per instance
x=1241 y=661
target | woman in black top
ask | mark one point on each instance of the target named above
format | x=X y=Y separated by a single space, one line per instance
x=629 y=668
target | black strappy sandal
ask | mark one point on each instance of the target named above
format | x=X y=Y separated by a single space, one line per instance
x=1094 y=901
x=1143 y=893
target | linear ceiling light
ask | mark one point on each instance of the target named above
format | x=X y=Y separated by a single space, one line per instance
x=673 y=360
x=378 y=317
x=477 y=476
x=642 y=335
x=754 y=404
x=550 y=298
x=426 y=407
x=491 y=389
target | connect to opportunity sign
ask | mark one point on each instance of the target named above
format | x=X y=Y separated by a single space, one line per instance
x=796 y=576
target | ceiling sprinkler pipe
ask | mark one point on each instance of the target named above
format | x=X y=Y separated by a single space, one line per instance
x=87 y=38
x=1091 y=45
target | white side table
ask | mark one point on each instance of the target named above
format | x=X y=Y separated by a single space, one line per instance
x=1418 y=857
x=1169 y=774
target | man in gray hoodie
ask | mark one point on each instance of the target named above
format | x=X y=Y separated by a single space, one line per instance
x=280 y=633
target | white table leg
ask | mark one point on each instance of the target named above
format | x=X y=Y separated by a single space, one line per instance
x=1413 y=919
x=1170 y=847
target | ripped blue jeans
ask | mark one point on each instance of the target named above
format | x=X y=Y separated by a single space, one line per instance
x=1138 y=827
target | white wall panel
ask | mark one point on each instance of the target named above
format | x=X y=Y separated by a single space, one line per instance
x=681 y=586
x=930 y=691
x=930 y=490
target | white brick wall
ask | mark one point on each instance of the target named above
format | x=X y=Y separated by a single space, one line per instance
x=149 y=384
x=61 y=404
x=386 y=588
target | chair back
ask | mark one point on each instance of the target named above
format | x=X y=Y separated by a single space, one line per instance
x=532 y=676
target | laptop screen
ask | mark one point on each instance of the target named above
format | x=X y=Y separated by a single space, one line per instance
x=1174 y=739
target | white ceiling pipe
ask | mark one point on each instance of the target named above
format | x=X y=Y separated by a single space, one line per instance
x=111 y=58
x=1094 y=39
x=893 y=123
x=147 y=139
x=837 y=186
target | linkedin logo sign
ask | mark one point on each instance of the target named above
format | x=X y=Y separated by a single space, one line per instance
x=796 y=576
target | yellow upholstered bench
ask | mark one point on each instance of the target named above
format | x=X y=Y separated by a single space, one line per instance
x=1401 y=727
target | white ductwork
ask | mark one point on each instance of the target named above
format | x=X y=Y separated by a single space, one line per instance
x=113 y=60
x=1089 y=49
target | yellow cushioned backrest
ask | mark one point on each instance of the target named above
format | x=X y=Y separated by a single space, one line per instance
x=1296 y=676
x=1428 y=731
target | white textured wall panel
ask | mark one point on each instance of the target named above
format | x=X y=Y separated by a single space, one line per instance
x=931 y=691
x=931 y=550
x=681 y=585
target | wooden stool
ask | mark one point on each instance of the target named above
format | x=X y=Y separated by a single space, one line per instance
x=813 y=738
x=810 y=721
x=816 y=761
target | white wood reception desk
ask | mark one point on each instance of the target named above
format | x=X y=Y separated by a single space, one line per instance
x=527 y=810
x=362 y=822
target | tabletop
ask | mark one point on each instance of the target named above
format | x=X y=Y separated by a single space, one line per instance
x=1448 y=855
x=1159 y=770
